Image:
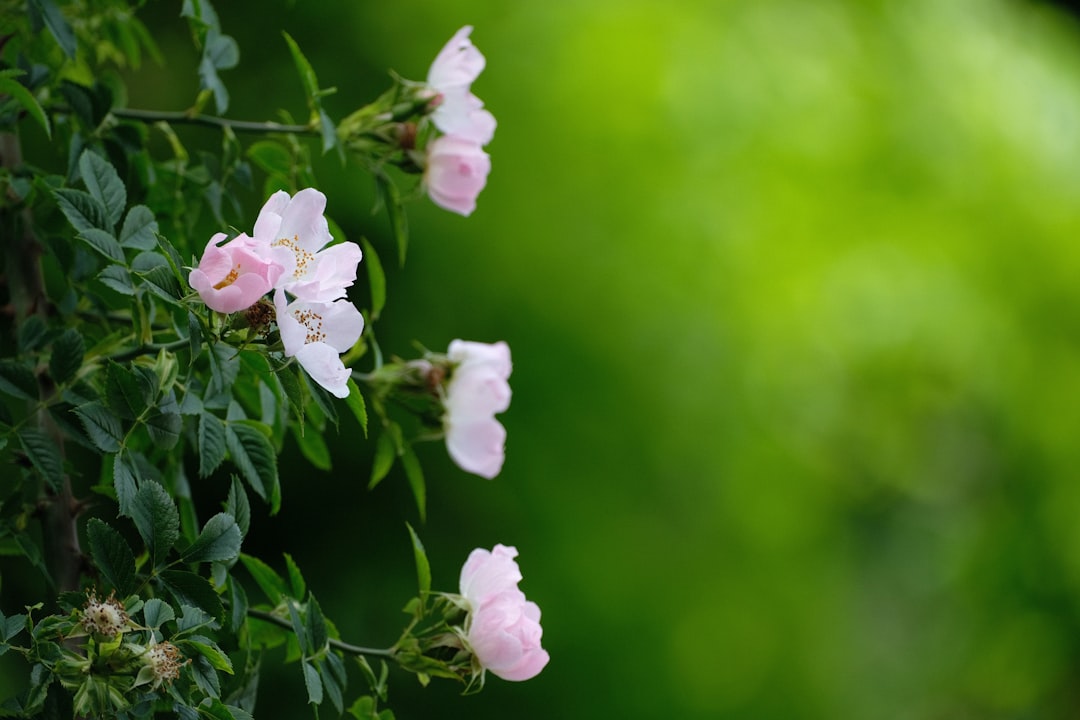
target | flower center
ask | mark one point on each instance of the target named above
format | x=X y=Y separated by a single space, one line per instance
x=229 y=279
x=313 y=322
x=303 y=257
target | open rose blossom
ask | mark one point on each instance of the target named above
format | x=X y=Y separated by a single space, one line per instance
x=456 y=110
x=316 y=334
x=478 y=389
x=233 y=276
x=457 y=170
x=503 y=628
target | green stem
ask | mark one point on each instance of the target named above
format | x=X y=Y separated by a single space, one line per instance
x=150 y=349
x=152 y=116
x=343 y=646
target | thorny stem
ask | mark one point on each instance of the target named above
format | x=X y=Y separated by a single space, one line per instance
x=343 y=646
x=152 y=116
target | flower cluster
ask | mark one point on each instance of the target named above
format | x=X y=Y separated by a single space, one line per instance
x=457 y=166
x=289 y=253
x=502 y=628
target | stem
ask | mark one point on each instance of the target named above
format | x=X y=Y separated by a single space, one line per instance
x=152 y=116
x=344 y=647
x=150 y=349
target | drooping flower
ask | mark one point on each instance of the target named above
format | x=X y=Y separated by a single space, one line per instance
x=477 y=390
x=503 y=627
x=233 y=276
x=296 y=231
x=456 y=110
x=316 y=333
x=457 y=170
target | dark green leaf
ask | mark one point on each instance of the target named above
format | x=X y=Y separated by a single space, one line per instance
x=162 y=282
x=10 y=86
x=103 y=242
x=254 y=456
x=237 y=505
x=101 y=425
x=194 y=590
x=296 y=579
x=45 y=11
x=316 y=627
x=117 y=277
x=298 y=626
x=104 y=184
x=331 y=685
x=238 y=604
x=307 y=74
x=272 y=584
x=415 y=475
x=157 y=612
x=112 y=555
x=219 y=540
x=376 y=278
x=31 y=333
x=164 y=427
x=194 y=338
x=67 y=355
x=129 y=390
x=211 y=443
x=385 y=454
x=140 y=229
x=355 y=401
x=156 y=519
x=17 y=380
x=399 y=226
x=423 y=568
x=328 y=130
x=44 y=454
x=322 y=399
x=313 y=683
x=313 y=447
x=125 y=483
x=83 y=211
x=209 y=650
x=293 y=390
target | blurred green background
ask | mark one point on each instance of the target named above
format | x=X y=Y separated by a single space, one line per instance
x=791 y=289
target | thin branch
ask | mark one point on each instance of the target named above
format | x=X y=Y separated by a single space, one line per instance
x=343 y=646
x=152 y=116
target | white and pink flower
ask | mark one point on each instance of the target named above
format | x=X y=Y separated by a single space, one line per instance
x=503 y=627
x=477 y=390
x=457 y=170
x=316 y=333
x=456 y=110
x=233 y=276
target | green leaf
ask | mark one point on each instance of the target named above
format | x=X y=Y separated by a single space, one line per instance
x=313 y=447
x=129 y=391
x=140 y=229
x=296 y=579
x=272 y=157
x=125 y=482
x=194 y=590
x=314 y=685
x=209 y=650
x=328 y=130
x=415 y=475
x=157 y=612
x=423 y=568
x=355 y=402
x=376 y=278
x=103 y=242
x=83 y=211
x=219 y=541
x=307 y=74
x=165 y=426
x=237 y=505
x=44 y=455
x=385 y=455
x=31 y=333
x=101 y=425
x=395 y=210
x=112 y=555
x=211 y=443
x=331 y=683
x=45 y=11
x=117 y=277
x=162 y=282
x=157 y=520
x=104 y=184
x=315 y=626
x=272 y=584
x=220 y=52
x=67 y=355
x=254 y=456
x=293 y=390
x=194 y=338
x=10 y=86
x=17 y=380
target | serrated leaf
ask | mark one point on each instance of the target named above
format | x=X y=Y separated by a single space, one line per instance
x=162 y=282
x=194 y=590
x=17 y=380
x=164 y=427
x=211 y=443
x=272 y=584
x=315 y=625
x=254 y=456
x=103 y=243
x=383 y=461
x=423 y=568
x=296 y=579
x=194 y=338
x=238 y=506
x=157 y=612
x=128 y=391
x=238 y=604
x=125 y=482
x=355 y=402
x=83 y=210
x=209 y=650
x=313 y=683
x=46 y=12
x=103 y=183
x=376 y=278
x=10 y=86
x=219 y=541
x=44 y=456
x=332 y=685
x=112 y=555
x=67 y=355
x=31 y=333
x=415 y=475
x=140 y=229
x=101 y=425
x=157 y=520
x=290 y=383
x=117 y=277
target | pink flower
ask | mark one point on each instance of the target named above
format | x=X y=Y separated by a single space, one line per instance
x=503 y=628
x=297 y=232
x=457 y=170
x=478 y=389
x=316 y=334
x=233 y=276
x=457 y=111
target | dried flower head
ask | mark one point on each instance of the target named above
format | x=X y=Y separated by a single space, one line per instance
x=164 y=660
x=104 y=618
